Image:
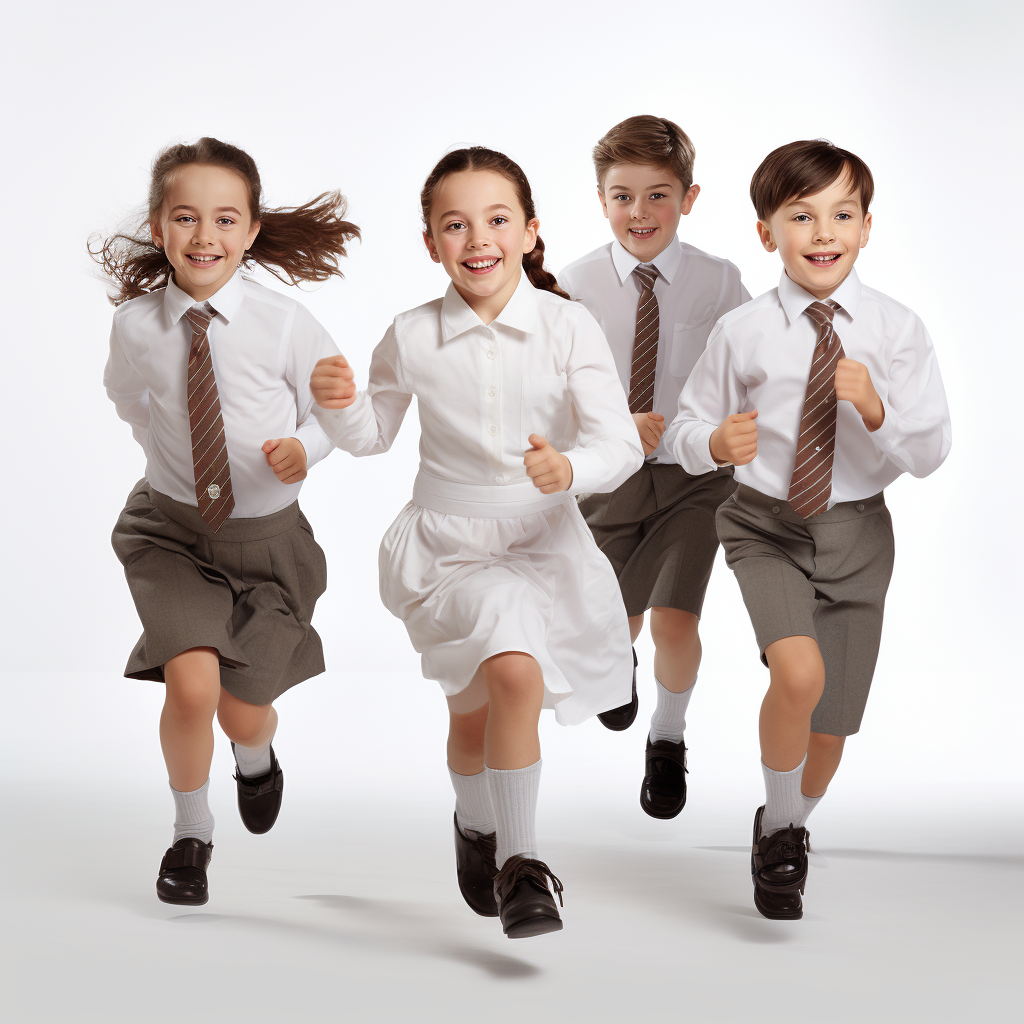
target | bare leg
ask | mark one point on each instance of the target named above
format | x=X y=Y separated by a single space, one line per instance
x=797 y=682
x=515 y=688
x=250 y=725
x=824 y=753
x=636 y=623
x=466 y=741
x=677 y=648
x=186 y=724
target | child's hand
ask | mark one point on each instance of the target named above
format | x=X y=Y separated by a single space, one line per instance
x=650 y=426
x=549 y=470
x=853 y=384
x=333 y=383
x=735 y=439
x=287 y=458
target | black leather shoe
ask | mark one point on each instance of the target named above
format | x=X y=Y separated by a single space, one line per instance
x=259 y=797
x=525 y=904
x=182 y=877
x=475 y=869
x=622 y=717
x=663 y=792
x=778 y=869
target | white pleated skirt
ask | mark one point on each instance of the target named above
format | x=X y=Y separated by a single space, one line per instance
x=470 y=588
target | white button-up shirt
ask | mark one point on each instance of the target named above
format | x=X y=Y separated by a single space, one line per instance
x=263 y=345
x=541 y=367
x=759 y=357
x=693 y=290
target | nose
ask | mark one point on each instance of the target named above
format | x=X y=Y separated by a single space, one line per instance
x=824 y=232
x=639 y=210
x=202 y=233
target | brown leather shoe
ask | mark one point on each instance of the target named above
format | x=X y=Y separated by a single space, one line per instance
x=622 y=717
x=182 y=877
x=525 y=904
x=259 y=797
x=475 y=869
x=663 y=791
x=778 y=869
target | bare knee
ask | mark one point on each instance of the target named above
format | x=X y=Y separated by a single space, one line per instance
x=674 y=630
x=512 y=678
x=824 y=745
x=192 y=681
x=241 y=722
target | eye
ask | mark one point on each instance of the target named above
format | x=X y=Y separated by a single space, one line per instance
x=185 y=219
x=657 y=195
x=455 y=224
x=802 y=218
x=622 y=195
x=225 y=220
x=843 y=216
x=499 y=220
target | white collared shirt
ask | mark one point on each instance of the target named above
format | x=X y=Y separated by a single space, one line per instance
x=759 y=357
x=541 y=367
x=264 y=346
x=693 y=290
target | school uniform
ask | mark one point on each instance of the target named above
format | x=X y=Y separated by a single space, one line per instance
x=657 y=529
x=248 y=586
x=480 y=561
x=824 y=576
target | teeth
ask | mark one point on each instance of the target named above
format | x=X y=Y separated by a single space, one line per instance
x=203 y=259
x=642 y=231
x=480 y=264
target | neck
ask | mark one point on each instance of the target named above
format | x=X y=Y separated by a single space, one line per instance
x=488 y=307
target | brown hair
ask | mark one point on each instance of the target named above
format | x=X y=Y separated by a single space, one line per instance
x=805 y=168
x=303 y=242
x=646 y=139
x=477 y=158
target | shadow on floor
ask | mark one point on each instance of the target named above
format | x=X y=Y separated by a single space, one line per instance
x=994 y=859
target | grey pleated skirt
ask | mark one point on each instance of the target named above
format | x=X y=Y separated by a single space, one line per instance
x=247 y=590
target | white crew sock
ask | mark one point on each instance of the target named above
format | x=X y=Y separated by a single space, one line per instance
x=784 y=803
x=514 y=794
x=192 y=815
x=669 y=719
x=253 y=761
x=473 y=806
x=810 y=802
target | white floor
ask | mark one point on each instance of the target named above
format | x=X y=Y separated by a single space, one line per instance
x=348 y=910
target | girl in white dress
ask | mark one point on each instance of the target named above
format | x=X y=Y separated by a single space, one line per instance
x=491 y=566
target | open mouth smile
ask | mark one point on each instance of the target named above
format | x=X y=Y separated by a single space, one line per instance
x=483 y=265
x=201 y=259
x=642 y=233
x=823 y=259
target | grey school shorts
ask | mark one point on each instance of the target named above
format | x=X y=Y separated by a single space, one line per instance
x=247 y=590
x=658 y=531
x=825 y=578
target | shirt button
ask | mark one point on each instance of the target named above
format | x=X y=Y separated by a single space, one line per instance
x=860 y=508
x=491 y=354
x=499 y=479
x=492 y=430
x=776 y=510
x=491 y=392
x=817 y=447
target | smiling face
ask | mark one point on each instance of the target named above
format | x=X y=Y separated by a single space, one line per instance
x=204 y=227
x=643 y=204
x=819 y=237
x=479 y=233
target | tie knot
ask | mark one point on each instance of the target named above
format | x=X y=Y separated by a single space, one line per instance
x=646 y=275
x=198 y=318
x=822 y=312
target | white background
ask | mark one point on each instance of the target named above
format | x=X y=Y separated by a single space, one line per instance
x=366 y=98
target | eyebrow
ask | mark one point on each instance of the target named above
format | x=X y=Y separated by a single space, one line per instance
x=457 y=213
x=646 y=188
x=851 y=198
x=219 y=209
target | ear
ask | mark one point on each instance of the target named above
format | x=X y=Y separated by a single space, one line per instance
x=689 y=199
x=431 y=248
x=604 y=202
x=157 y=232
x=865 y=230
x=765 y=234
x=253 y=232
x=530 y=239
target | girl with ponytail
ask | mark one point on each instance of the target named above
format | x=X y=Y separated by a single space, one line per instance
x=491 y=567
x=212 y=372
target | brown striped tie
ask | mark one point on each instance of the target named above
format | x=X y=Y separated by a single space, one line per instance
x=209 y=448
x=645 y=342
x=812 y=475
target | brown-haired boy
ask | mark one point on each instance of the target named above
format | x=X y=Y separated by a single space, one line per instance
x=821 y=392
x=657 y=300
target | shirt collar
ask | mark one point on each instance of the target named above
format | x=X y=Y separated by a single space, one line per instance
x=666 y=262
x=520 y=312
x=225 y=302
x=795 y=300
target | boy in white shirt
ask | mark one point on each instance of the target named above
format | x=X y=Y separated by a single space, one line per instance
x=657 y=300
x=821 y=392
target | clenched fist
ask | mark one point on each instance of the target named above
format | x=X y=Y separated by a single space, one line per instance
x=735 y=439
x=853 y=384
x=650 y=426
x=287 y=458
x=333 y=383
x=549 y=470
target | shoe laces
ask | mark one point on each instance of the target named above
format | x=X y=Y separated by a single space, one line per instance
x=534 y=870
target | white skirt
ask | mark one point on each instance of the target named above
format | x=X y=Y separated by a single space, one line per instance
x=470 y=588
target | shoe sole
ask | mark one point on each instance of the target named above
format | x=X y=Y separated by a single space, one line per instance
x=534 y=926
x=184 y=903
x=661 y=817
x=775 y=915
x=476 y=910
